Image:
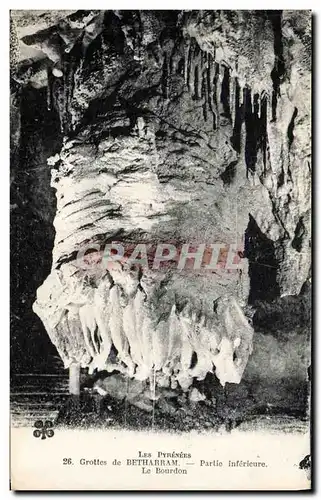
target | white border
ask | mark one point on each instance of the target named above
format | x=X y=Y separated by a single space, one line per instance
x=4 y=183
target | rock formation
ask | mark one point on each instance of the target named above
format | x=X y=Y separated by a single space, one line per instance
x=178 y=127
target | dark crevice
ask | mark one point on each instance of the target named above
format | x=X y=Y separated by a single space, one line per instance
x=291 y=127
x=263 y=265
x=229 y=173
x=239 y=117
x=255 y=117
x=299 y=235
x=225 y=94
x=96 y=337
x=280 y=180
x=205 y=96
x=194 y=360
x=278 y=71
x=251 y=128
x=112 y=35
x=32 y=234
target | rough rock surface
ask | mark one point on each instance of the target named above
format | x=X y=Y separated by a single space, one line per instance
x=176 y=127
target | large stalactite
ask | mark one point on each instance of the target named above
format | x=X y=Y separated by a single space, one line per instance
x=177 y=127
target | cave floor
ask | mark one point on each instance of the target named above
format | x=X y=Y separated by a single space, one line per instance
x=245 y=406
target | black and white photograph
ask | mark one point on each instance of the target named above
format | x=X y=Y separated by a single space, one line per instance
x=160 y=249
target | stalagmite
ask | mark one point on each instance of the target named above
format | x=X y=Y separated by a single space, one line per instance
x=243 y=93
x=64 y=98
x=198 y=72
x=187 y=48
x=49 y=89
x=102 y=311
x=74 y=379
x=118 y=335
x=88 y=325
x=190 y=68
x=160 y=345
x=210 y=79
x=210 y=74
x=217 y=94
x=232 y=100
x=174 y=342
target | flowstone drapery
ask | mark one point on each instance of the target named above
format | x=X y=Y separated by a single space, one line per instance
x=181 y=127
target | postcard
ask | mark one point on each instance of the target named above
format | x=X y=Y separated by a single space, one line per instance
x=160 y=250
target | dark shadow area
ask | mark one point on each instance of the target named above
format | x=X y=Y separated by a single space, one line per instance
x=32 y=234
x=260 y=252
